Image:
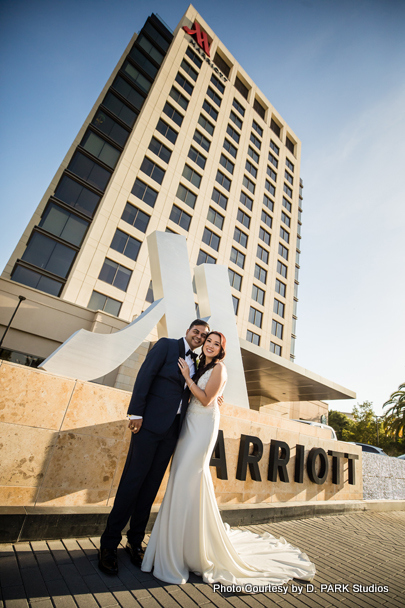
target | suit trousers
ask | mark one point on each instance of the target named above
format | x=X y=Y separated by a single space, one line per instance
x=148 y=456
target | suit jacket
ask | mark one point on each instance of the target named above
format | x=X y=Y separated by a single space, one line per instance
x=159 y=387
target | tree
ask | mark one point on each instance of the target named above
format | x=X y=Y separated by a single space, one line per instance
x=341 y=423
x=395 y=415
x=365 y=430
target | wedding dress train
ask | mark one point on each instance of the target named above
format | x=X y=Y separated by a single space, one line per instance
x=189 y=535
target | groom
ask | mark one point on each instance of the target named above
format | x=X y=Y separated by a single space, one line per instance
x=156 y=411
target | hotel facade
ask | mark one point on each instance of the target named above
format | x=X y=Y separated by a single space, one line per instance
x=181 y=140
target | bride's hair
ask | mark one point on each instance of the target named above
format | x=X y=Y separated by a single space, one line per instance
x=203 y=367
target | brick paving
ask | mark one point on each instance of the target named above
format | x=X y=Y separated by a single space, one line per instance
x=359 y=549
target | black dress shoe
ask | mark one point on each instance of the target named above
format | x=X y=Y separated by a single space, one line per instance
x=107 y=561
x=136 y=554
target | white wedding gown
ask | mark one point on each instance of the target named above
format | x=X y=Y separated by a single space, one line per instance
x=189 y=535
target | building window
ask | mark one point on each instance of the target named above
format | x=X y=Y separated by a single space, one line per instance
x=262 y=254
x=273 y=160
x=258 y=294
x=206 y=124
x=264 y=236
x=235 y=302
x=215 y=218
x=286 y=219
x=219 y=198
x=211 y=111
x=234 y=134
x=180 y=217
x=36 y=280
x=256 y=141
x=296 y=274
x=287 y=190
x=202 y=140
x=275 y=348
x=257 y=106
x=238 y=106
x=255 y=317
x=253 y=154
x=267 y=219
x=189 y=71
x=295 y=306
x=144 y=192
x=249 y=185
x=240 y=237
x=98 y=301
x=235 y=279
x=281 y=288
x=77 y=196
x=246 y=200
x=65 y=225
x=289 y=145
x=296 y=290
x=238 y=122
x=150 y=49
x=224 y=181
x=237 y=257
x=125 y=244
x=279 y=308
x=287 y=205
x=271 y=173
x=134 y=216
x=99 y=148
x=260 y=273
x=144 y=63
x=252 y=337
x=226 y=163
x=270 y=188
x=243 y=218
x=239 y=86
x=274 y=147
x=283 y=251
x=115 y=274
x=255 y=126
x=294 y=325
x=128 y=93
x=47 y=254
x=284 y=235
x=153 y=170
x=197 y=157
x=277 y=329
x=160 y=150
x=205 y=258
x=297 y=257
x=166 y=131
x=275 y=128
x=221 y=63
x=216 y=82
x=185 y=195
x=251 y=168
x=192 y=176
x=289 y=165
x=230 y=148
x=195 y=58
x=110 y=127
x=211 y=239
x=179 y=98
x=141 y=82
x=282 y=269
x=288 y=177
x=292 y=348
x=214 y=96
x=268 y=202
x=173 y=114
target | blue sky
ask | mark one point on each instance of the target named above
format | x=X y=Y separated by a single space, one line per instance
x=334 y=69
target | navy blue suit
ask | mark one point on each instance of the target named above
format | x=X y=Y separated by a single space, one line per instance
x=158 y=392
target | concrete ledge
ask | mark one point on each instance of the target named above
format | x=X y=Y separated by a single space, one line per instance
x=49 y=523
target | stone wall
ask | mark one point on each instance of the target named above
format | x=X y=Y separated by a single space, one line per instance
x=63 y=442
x=383 y=477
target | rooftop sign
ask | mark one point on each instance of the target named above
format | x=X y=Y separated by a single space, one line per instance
x=200 y=37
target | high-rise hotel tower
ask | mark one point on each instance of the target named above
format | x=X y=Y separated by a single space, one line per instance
x=182 y=140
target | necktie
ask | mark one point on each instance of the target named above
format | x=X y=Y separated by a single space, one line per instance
x=190 y=353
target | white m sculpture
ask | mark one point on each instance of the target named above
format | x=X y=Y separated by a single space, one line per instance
x=87 y=356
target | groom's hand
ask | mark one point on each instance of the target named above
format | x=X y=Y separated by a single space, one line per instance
x=135 y=425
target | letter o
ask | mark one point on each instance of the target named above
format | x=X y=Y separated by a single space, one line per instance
x=311 y=468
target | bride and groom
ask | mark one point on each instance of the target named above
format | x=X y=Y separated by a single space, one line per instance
x=174 y=408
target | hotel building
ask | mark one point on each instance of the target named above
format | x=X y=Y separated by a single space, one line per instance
x=182 y=140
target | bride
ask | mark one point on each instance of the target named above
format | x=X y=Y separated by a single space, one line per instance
x=189 y=535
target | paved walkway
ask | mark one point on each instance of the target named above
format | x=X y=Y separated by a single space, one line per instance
x=365 y=551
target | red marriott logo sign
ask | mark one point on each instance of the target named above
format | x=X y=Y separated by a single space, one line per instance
x=200 y=37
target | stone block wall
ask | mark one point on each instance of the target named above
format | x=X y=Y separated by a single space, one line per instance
x=383 y=477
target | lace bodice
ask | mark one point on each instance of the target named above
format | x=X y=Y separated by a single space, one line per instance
x=196 y=407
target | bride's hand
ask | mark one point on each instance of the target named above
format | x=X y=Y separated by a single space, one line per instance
x=184 y=368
